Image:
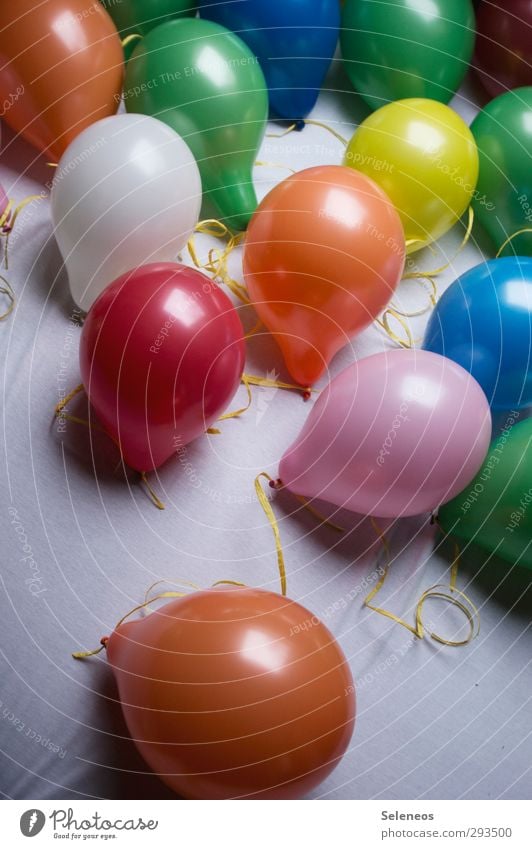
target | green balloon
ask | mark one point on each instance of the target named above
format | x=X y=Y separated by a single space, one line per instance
x=495 y=511
x=503 y=199
x=141 y=16
x=205 y=83
x=394 y=49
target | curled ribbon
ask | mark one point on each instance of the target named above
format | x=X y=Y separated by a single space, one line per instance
x=60 y=414
x=439 y=591
x=217 y=262
x=511 y=238
x=8 y=220
x=10 y=295
x=270 y=515
x=303 y=123
x=81 y=655
x=129 y=39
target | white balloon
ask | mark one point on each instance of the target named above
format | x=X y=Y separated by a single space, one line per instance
x=126 y=192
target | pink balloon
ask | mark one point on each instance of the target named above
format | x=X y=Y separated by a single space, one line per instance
x=396 y=434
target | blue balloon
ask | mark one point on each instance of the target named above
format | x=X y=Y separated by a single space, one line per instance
x=294 y=41
x=484 y=323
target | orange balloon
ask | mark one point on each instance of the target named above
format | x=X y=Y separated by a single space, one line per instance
x=234 y=693
x=61 y=69
x=323 y=255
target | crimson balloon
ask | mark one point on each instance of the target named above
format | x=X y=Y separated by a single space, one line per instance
x=161 y=355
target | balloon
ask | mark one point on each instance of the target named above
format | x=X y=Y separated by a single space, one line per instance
x=503 y=200
x=127 y=191
x=484 y=323
x=323 y=255
x=161 y=356
x=61 y=69
x=425 y=158
x=294 y=42
x=495 y=511
x=141 y=16
x=503 y=52
x=399 y=48
x=396 y=434
x=234 y=693
x=206 y=84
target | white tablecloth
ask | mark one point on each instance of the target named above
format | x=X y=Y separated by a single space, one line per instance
x=80 y=546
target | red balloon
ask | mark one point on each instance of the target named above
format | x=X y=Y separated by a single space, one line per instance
x=235 y=692
x=503 y=55
x=161 y=356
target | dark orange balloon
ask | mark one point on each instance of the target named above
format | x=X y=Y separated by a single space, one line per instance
x=61 y=69
x=235 y=693
x=323 y=255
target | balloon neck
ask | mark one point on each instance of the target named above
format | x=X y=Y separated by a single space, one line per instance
x=234 y=196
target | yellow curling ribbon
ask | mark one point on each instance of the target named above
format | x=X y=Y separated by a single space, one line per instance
x=415 y=275
x=151 y=492
x=270 y=515
x=250 y=380
x=60 y=413
x=284 y=133
x=18 y=209
x=438 y=591
x=306 y=122
x=9 y=218
x=261 y=164
x=179 y=583
x=384 y=323
x=10 y=295
x=433 y=297
x=317 y=515
x=129 y=39
x=236 y=413
x=81 y=655
x=511 y=238
x=400 y=315
x=268 y=382
x=4 y=218
x=228 y=583
x=217 y=263
x=255 y=329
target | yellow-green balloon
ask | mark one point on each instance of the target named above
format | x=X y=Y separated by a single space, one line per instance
x=424 y=157
x=495 y=511
x=205 y=83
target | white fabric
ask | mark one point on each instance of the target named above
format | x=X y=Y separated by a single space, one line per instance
x=80 y=546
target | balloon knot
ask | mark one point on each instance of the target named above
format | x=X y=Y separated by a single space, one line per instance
x=104 y=642
x=278 y=484
x=307 y=394
x=299 y=125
